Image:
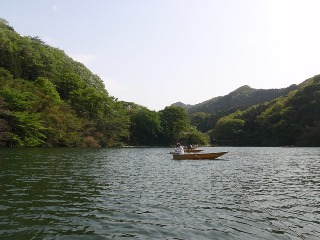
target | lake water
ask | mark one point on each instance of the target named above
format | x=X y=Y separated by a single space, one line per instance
x=141 y=193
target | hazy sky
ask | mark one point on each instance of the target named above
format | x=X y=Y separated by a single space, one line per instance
x=157 y=52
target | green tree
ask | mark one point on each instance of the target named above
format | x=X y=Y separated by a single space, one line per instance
x=25 y=125
x=47 y=93
x=48 y=96
x=201 y=120
x=90 y=103
x=310 y=136
x=174 y=120
x=193 y=136
x=67 y=83
x=63 y=127
x=5 y=74
x=114 y=126
x=228 y=130
x=144 y=127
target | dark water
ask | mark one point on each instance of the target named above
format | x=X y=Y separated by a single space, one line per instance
x=140 y=193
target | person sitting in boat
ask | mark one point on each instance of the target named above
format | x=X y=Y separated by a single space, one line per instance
x=179 y=149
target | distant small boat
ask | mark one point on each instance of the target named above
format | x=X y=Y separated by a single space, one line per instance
x=197 y=156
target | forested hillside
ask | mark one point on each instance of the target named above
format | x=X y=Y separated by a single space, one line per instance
x=205 y=115
x=292 y=120
x=240 y=98
x=48 y=99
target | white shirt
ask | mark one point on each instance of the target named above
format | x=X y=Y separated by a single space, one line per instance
x=179 y=150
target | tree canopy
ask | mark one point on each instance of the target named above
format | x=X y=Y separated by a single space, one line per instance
x=290 y=120
x=48 y=99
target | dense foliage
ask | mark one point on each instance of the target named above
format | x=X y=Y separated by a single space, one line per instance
x=286 y=121
x=206 y=114
x=48 y=99
x=145 y=125
x=166 y=127
x=241 y=98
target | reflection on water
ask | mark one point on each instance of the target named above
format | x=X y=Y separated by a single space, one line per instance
x=249 y=193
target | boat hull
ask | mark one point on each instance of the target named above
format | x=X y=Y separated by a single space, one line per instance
x=198 y=156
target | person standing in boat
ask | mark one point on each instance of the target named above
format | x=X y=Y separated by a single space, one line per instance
x=179 y=149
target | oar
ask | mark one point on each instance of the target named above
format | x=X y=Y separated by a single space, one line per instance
x=198 y=156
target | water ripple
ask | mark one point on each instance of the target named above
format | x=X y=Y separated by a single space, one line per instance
x=250 y=193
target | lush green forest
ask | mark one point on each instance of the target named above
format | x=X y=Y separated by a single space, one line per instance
x=241 y=98
x=205 y=115
x=293 y=119
x=257 y=117
x=47 y=99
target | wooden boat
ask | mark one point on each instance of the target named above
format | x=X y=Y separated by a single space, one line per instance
x=192 y=150
x=197 y=156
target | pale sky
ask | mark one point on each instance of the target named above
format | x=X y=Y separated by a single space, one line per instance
x=158 y=52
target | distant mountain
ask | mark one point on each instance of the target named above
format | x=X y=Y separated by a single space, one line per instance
x=180 y=104
x=291 y=120
x=241 y=98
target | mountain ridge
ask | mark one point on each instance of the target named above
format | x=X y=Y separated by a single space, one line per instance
x=241 y=98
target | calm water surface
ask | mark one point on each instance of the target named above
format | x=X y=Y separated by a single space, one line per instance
x=141 y=193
